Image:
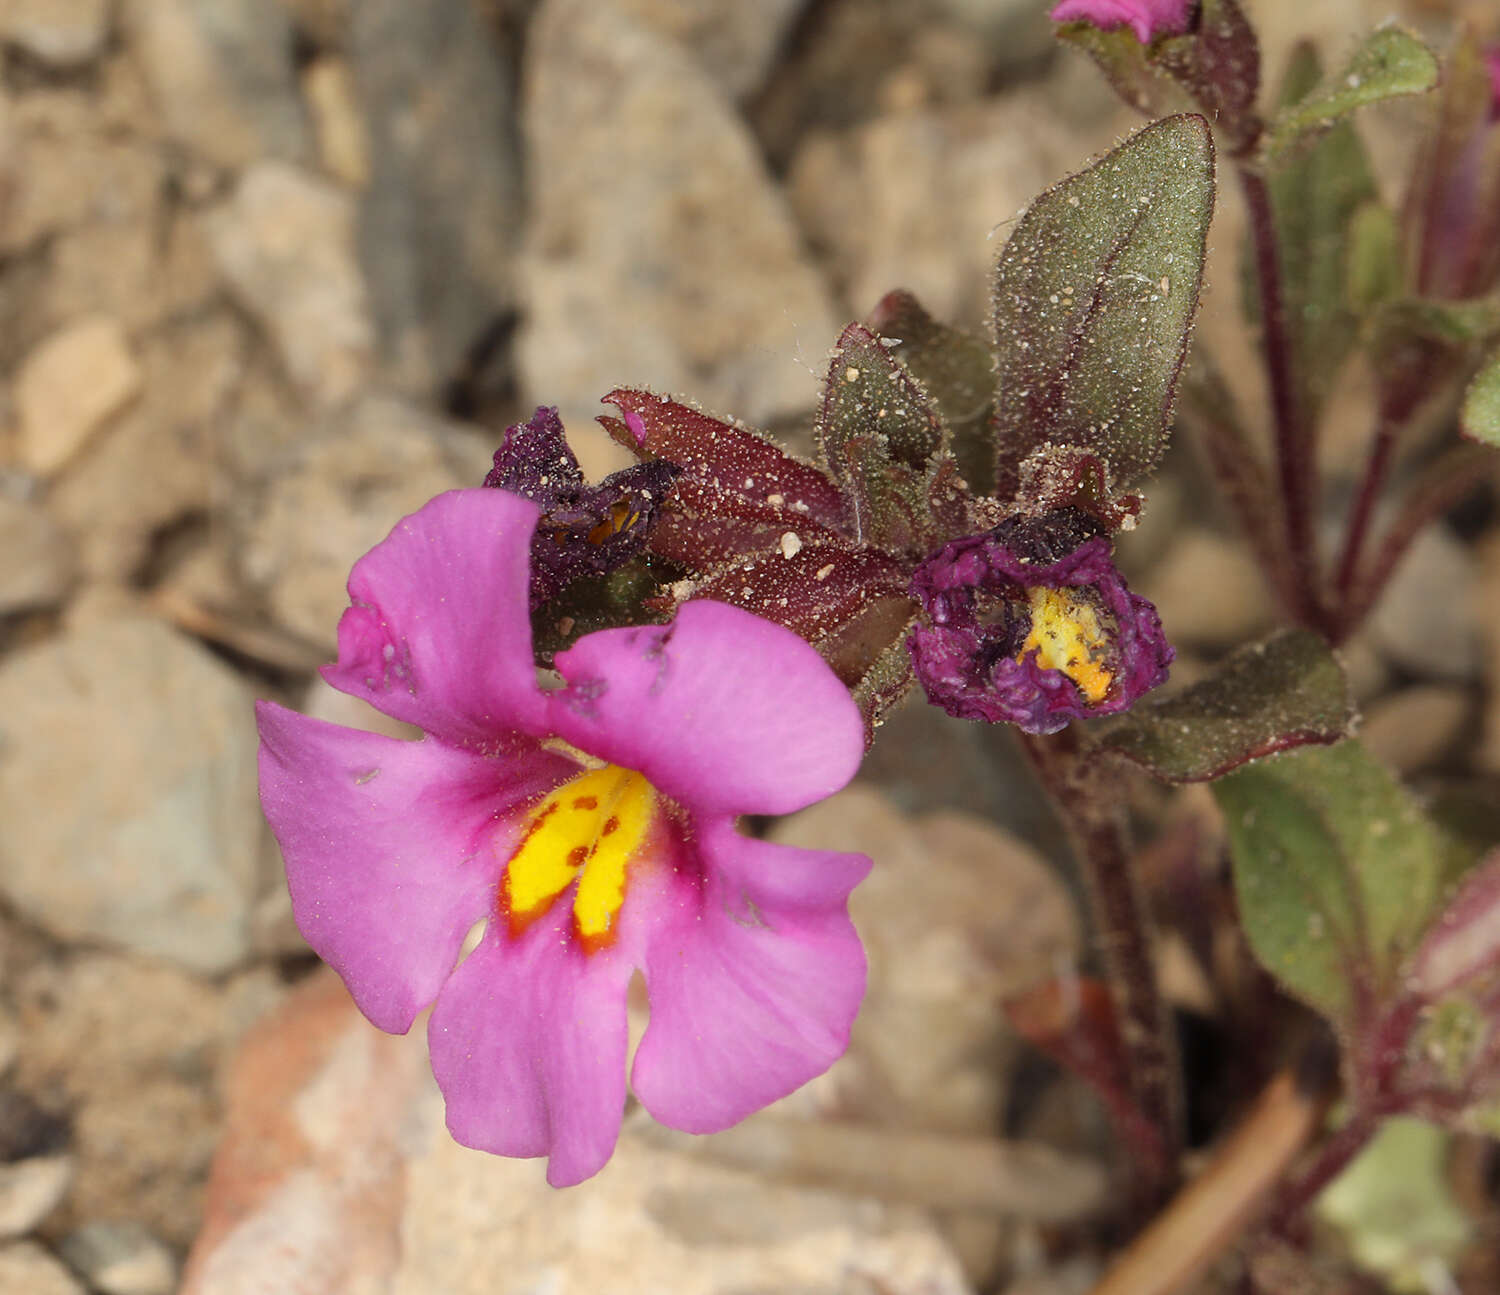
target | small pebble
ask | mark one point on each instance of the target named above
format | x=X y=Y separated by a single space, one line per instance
x=121 y=1258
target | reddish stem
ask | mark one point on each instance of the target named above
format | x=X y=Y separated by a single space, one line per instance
x=1446 y=482
x=1330 y=1160
x=1371 y=483
x=1296 y=468
x=1093 y=814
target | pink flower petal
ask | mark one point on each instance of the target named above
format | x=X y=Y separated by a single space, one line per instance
x=754 y=980
x=528 y=1043
x=1147 y=18
x=393 y=849
x=721 y=710
x=437 y=633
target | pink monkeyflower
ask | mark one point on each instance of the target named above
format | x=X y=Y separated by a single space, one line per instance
x=591 y=823
x=1147 y=18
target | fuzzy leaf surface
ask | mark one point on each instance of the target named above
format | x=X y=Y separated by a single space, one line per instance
x=879 y=432
x=1094 y=298
x=1480 y=417
x=1391 y=63
x=1337 y=874
x=957 y=370
x=1285 y=692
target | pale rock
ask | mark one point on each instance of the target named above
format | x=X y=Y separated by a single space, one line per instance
x=120 y=1259
x=36 y=560
x=705 y=290
x=440 y=217
x=164 y=458
x=652 y=1221
x=919 y=199
x=1366 y=669
x=223 y=77
x=1209 y=591
x=956 y=916
x=30 y=1190
x=343 y=143
x=63 y=34
x=156 y=738
x=130 y=1047
x=10 y=1040
x=64 y=169
x=69 y=387
x=1412 y=728
x=27 y=1269
x=336 y=1175
x=340 y=493
x=733 y=43
x=1427 y=620
x=285 y=243
x=135 y=271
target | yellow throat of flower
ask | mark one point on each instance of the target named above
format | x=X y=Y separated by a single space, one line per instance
x=1067 y=636
x=588 y=829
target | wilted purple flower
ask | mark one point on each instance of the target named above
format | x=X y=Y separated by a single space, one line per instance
x=1147 y=18
x=591 y=825
x=1032 y=625
x=584 y=530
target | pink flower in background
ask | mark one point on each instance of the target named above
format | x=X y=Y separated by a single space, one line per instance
x=1493 y=59
x=592 y=825
x=1147 y=18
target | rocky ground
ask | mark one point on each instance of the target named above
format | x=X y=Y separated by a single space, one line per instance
x=273 y=274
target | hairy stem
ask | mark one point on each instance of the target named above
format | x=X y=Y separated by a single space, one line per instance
x=1327 y=1163
x=1214 y=1211
x=1377 y=466
x=1093 y=813
x=1443 y=484
x=1296 y=470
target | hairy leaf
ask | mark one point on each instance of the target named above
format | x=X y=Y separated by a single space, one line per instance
x=1391 y=63
x=1337 y=873
x=1373 y=272
x=1481 y=411
x=879 y=432
x=1126 y=65
x=1285 y=692
x=957 y=370
x=1094 y=298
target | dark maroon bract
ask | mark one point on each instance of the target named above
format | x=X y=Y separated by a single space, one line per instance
x=584 y=530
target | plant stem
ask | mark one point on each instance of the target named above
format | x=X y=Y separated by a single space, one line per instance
x=1093 y=813
x=1444 y=483
x=1212 y=1213
x=1370 y=485
x=1330 y=1160
x=1296 y=468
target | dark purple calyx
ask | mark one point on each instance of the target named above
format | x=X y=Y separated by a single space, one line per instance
x=584 y=531
x=1030 y=624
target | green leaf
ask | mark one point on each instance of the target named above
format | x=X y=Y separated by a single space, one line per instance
x=1391 y=63
x=1286 y=692
x=957 y=370
x=1480 y=417
x=880 y=436
x=1460 y=323
x=1336 y=872
x=1094 y=298
x=1395 y=1208
x=1126 y=66
x=1373 y=274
